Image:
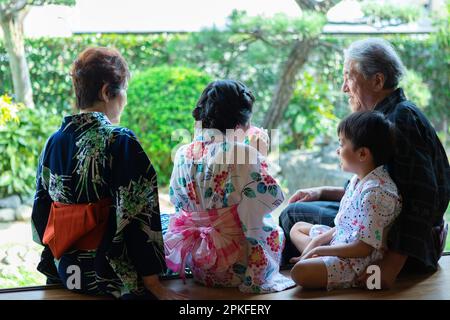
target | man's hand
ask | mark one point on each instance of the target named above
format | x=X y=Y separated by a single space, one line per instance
x=305 y=195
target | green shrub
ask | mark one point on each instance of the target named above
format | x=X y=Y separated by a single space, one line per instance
x=310 y=114
x=8 y=110
x=21 y=142
x=416 y=89
x=160 y=100
x=50 y=60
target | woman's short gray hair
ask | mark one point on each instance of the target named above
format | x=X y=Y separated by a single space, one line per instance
x=375 y=55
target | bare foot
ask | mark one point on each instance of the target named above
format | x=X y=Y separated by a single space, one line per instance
x=295 y=259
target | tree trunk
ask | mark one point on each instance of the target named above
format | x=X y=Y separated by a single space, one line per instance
x=297 y=58
x=12 y=25
x=285 y=87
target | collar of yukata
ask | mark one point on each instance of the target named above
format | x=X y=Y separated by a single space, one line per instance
x=375 y=173
x=86 y=119
x=391 y=100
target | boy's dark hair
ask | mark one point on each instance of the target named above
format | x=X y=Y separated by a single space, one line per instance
x=370 y=129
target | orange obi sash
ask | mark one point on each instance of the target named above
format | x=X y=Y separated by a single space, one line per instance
x=79 y=226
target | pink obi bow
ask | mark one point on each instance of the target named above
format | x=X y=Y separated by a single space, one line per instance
x=211 y=239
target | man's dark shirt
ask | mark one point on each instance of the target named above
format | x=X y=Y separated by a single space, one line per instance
x=420 y=168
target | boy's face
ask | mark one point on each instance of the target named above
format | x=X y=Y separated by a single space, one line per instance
x=350 y=159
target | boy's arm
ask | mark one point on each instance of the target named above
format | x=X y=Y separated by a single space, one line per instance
x=357 y=249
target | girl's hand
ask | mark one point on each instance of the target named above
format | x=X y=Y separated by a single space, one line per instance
x=259 y=139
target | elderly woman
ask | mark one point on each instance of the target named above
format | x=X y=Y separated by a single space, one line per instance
x=96 y=206
x=224 y=196
x=419 y=168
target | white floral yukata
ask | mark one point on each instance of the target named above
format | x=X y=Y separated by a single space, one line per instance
x=223 y=228
x=367 y=209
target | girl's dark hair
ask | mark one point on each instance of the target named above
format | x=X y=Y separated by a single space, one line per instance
x=224 y=104
x=95 y=67
x=370 y=129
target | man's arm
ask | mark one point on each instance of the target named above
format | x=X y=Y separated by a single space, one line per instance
x=318 y=193
x=332 y=193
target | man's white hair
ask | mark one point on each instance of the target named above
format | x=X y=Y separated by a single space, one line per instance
x=374 y=55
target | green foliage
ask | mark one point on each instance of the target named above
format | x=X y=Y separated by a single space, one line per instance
x=8 y=110
x=280 y=27
x=447 y=219
x=45 y=2
x=310 y=114
x=430 y=59
x=416 y=89
x=389 y=13
x=161 y=101
x=40 y=2
x=50 y=60
x=21 y=277
x=21 y=143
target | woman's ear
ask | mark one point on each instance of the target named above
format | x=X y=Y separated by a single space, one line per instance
x=104 y=93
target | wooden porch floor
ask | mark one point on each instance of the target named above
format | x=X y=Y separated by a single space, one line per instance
x=433 y=286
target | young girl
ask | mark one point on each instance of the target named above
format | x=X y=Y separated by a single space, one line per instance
x=223 y=229
x=335 y=257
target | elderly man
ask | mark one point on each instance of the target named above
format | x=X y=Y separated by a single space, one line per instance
x=420 y=167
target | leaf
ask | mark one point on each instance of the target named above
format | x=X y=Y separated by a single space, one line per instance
x=273 y=190
x=208 y=192
x=248 y=192
x=255 y=176
x=225 y=146
x=239 y=268
x=229 y=188
x=267 y=229
x=5 y=179
x=182 y=181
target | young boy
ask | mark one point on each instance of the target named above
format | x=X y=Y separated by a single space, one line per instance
x=334 y=257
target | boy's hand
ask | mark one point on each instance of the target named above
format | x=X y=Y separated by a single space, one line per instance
x=312 y=245
x=319 y=251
